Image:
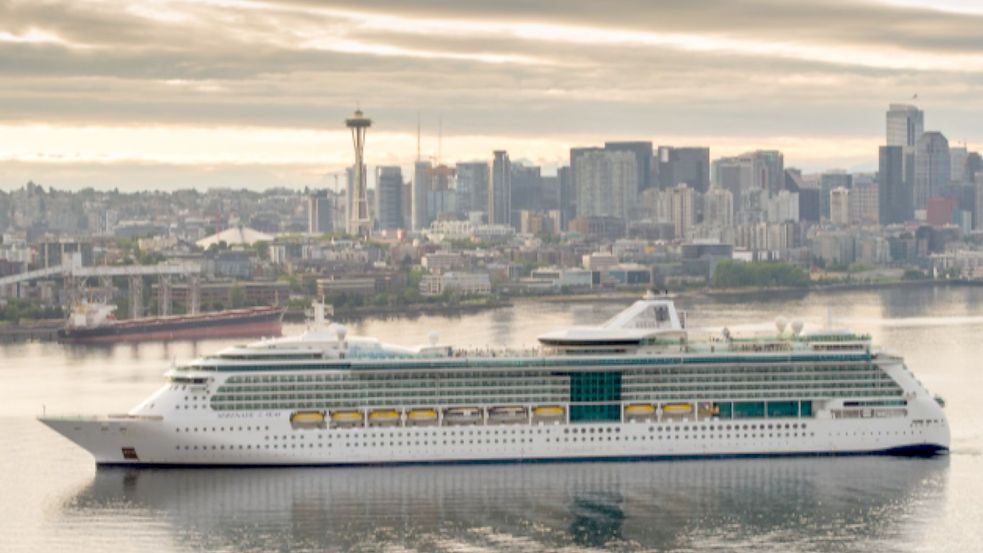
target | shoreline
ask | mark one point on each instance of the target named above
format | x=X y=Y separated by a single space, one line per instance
x=786 y=292
x=750 y=292
x=45 y=331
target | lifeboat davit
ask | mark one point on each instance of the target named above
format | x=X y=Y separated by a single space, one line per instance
x=307 y=419
x=636 y=411
x=421 y=416
x=346 y=417
x=383 y=417
x=552 y=414
x=462 y=415
x=508 y=414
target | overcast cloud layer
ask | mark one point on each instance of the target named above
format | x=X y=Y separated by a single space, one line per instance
x=144 y=93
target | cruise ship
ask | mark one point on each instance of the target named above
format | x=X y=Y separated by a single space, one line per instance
x=637 y=387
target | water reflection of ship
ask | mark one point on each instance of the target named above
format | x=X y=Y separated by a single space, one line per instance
x=662 y=505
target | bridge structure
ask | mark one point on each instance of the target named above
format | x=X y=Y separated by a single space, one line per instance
x=76 y=278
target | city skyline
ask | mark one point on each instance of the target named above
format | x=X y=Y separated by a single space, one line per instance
x=152 y=95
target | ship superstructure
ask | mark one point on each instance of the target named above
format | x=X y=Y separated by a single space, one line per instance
x=635 y=387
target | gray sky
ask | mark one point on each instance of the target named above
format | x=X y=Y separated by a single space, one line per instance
x=152 y=94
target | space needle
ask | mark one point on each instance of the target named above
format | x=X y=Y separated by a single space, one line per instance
x=359 y=222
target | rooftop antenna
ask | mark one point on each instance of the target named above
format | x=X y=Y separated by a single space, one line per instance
x=418 y=136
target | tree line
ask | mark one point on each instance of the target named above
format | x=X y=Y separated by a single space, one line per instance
x=738 y=274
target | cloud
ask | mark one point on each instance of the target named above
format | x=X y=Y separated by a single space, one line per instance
x=808 y=72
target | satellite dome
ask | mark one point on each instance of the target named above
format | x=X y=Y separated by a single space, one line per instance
x=780 y=324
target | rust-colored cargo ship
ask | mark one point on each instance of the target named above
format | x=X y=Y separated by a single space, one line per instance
x=95 y=324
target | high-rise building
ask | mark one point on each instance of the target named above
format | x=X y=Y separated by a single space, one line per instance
x=606 y=183
x=978 y=183
x=718 y=208
x=759 y=170
x=958 y=156
x=422 y=185
x=771 y=176
x=389 y=198
x=974 y=164
x=734 y=174
x=320 y=208
x=500 y=190
x=349 y=198
x=828 y=182
x=682 y=203
x=408 y=204
x=894 y=198
x=527 y=188
x=472 y=187
x=839 y=206
x=809 y=204
x=905 y=125
x=864 y=203
x=939 y=211
x=442 y=197
x=643 y=159
x=550 y=193
x=576 y=155
x=932 y=168
x=651 y=201
x=783 y=207
x=690 y=166
x=568 y=196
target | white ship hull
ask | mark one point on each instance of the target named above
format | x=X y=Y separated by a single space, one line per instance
x=270 y=440
x=633 y=389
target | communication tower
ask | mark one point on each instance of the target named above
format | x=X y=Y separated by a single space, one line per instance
x=359 y=223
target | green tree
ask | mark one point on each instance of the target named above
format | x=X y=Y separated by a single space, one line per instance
x=736 y=274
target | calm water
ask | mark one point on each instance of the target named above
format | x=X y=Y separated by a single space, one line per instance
x=53 y=499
